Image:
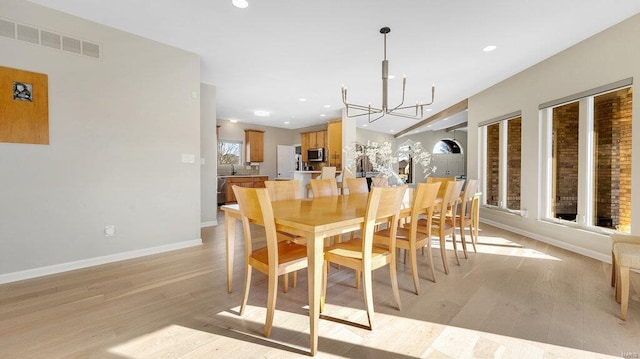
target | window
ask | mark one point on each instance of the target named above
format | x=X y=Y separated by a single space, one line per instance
x=588 y=144
x=229 y=152
x=502 y=154
x=405 y=163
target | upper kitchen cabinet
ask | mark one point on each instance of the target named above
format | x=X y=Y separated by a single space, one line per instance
x=254 y=145
x=334 y=143
x=316 y=139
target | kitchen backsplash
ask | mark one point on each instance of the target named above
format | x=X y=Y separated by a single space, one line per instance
x=238 y=170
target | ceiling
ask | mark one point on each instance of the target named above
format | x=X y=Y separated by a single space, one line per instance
x=271 y=54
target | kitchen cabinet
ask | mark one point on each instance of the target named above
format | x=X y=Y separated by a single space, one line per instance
x=254 y=145
x=334 y=143
x=316 y=139
x=249 y=181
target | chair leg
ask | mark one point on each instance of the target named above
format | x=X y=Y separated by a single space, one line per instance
x=430 y=253
x=443 y=254
x=624 y=281
x=463 y=240
x=613 y=269
x=294 y=281
x=455 y=245
x=368 y=296
x=358 y=277
x=394 y=283
x=472 y=234
x=247 y=286
x=325 y=274
x=413 y=260
x=285 y=283
x=271 y=304
x=618 y=289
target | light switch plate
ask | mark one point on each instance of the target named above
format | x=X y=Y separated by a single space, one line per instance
x=188 y=158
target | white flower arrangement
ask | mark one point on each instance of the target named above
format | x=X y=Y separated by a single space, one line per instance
x=381 y=156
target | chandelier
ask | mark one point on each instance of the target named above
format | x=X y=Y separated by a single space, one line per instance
x=385 y=110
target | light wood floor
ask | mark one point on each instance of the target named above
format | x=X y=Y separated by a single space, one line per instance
x=515 y=298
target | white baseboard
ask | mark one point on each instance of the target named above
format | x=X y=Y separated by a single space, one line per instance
x=554 y=242
x=85 y=263
x=208 y=224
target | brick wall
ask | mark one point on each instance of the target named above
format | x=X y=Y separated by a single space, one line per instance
x=514 y=159
x=493 y=163
x=565 y=157
x=612 y=125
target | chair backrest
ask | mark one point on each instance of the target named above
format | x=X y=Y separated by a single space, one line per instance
x=255 y=207
x=452 y=193
x=470 y=191
x=379 y=182
x=283 y=190
x=383 y=205
x=328 y=172
x=357 y=185
x=442 y=180
x=324 y=187
x=423 y=204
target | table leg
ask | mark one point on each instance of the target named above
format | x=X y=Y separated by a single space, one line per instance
x=315 y=254
x=230 y=238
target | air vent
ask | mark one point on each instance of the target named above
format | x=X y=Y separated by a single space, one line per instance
x=89 y=49
x=50 y=39
x=28 y=34
x=71 y=45
x=53 y=40
x=7 y=29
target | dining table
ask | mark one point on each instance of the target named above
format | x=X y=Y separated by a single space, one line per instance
x=315 y=219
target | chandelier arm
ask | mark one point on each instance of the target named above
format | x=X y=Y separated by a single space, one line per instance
x=375 y=119
x=368 y=113
x=404 y=115
x=363 y=108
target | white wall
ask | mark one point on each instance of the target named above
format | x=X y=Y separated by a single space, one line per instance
x=209 y=155
x=605 y=58
x=118 y=128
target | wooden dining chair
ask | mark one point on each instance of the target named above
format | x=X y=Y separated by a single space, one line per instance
x=274 y=260
x=325 y=173
x=442 y=180
x=408 y=237
x=280 y=191
x=324 y=187
x=283 y=190
x=464 y=217
x=442 y=224
x=357 y=185
x=361 y=254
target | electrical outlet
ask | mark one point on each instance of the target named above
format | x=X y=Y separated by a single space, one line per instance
x=109 y=231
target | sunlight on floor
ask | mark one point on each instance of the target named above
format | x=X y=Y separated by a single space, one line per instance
x=503 y=246
x=393 y=335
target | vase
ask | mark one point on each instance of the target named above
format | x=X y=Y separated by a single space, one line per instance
x=387 y=177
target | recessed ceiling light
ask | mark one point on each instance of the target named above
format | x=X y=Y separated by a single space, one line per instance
x=240 y=3
x=261 y=113
x=302 y=99
x=489 y=48
x=392 y=76
x=365 y=125
x=327 y=106
x=233 y=121
x=286 y=122
x=429 y=109
x=322 y=115
x=392 y=130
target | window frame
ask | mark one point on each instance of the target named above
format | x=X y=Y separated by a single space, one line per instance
x=503 y=122
x=240 y=157
x=586 y=157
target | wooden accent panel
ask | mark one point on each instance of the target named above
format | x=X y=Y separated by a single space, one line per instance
x=24 y=120
x=254 y=145
x=459 y=107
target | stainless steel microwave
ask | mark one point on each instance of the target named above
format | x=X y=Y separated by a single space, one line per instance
x=315 y=155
